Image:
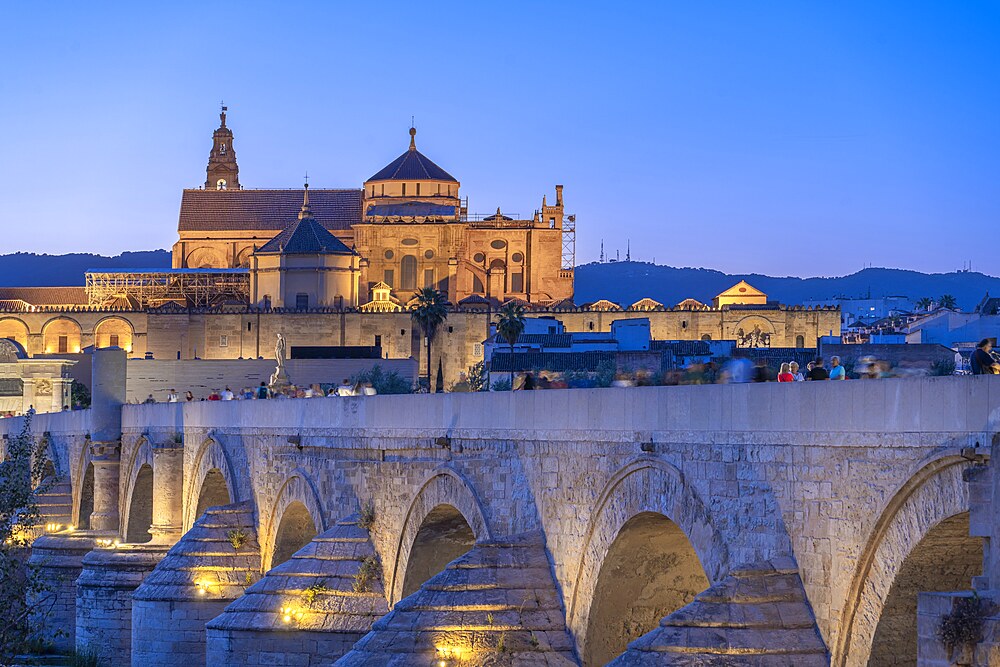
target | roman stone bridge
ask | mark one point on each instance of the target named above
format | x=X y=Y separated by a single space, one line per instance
x=732 y=524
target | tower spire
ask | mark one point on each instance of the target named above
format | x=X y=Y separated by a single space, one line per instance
x=305 y=212
x=413 y=138
x=223 y=172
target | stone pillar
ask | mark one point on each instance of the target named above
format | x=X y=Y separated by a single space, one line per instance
x=106 y=458
x=104 y=599
x=107 y=397
x=168 y=486
x=59 y=560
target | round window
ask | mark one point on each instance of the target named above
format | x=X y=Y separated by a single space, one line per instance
x=409 y=242
x=389 y=254
x=429 y=254
x=517 y=258
x=479 y=258
x=499 y=244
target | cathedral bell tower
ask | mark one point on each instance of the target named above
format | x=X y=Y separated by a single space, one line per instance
x=223 y=172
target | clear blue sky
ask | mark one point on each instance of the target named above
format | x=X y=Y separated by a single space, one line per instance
x=786 y=138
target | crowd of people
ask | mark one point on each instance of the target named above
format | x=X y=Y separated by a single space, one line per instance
x=263 y=392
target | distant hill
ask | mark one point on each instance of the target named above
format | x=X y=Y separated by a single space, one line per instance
x=24 y=269
x=627 y=282
x=622 y=282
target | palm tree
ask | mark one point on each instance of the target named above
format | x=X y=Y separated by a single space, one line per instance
x=948 y=301
x=510 y=326
x=925 y=303
x=430 y=310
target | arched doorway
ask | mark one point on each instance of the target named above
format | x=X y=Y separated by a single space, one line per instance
x=295 y=531
x=14 y=329
x=214 y=492
x=113 y=332
x=140 y=512
x=61 y=336
x=86 y=498
x=444 y=535
x=945 y=559
x=651 y=570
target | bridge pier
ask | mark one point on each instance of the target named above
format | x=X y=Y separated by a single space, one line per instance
x=104 y=599
x=168 y=492
x=59 y=558
x=332 y=592
x=213 y=564
x=498 y=603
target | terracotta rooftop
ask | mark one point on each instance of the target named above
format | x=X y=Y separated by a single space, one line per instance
x=45 y=296
x=235 y=210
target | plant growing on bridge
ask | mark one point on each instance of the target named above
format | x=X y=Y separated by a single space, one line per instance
x=237 y=537
x=370 y=570
x=22 y=480
x=366 y=519
x=963 y=627
x=430 y=310
x=510 y=326
x=315 y=591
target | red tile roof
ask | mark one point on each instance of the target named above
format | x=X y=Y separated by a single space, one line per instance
x=45 y=296
x=236 y=210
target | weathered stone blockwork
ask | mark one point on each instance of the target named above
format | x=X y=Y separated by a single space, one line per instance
x=846 y=478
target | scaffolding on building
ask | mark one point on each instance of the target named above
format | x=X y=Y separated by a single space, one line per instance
x=569 y=243
x=149 y=288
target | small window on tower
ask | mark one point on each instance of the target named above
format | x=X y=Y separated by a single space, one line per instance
x=301 y=301
x=223 y=340
x=418 y=189
x=223 y=149
x=404 y=189
x=220 y=184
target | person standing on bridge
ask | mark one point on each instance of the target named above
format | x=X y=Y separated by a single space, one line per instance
x=982 y=361
x=818 y=372
x=837 y=372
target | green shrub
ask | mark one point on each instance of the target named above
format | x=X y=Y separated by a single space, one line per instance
x=383 y=382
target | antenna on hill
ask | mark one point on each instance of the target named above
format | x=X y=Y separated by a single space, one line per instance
x=628 y=250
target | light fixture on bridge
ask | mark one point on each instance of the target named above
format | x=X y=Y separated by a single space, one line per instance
x=648 y=447
x=443 y=441
x=289 y=614
x=295 y=440
x=447 y=656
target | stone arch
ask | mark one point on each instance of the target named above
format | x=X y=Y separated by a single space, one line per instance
x=444 y=487
x=242 y=260
x=137 y=496
x=645 y=486
x=935 y=497
x=204 y=258
x=443 y=536
x=83 y=490
x=296 y=505
x=140 y=507
x=14 y=329
x=212 y=479
x=114 y=331
x=61 y=335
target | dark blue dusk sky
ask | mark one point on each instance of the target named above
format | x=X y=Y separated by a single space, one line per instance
x=784 y=138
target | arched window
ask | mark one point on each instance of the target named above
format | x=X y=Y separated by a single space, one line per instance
x=800 y=341
x=706 y=337
x=408 y=271
x=220 y=184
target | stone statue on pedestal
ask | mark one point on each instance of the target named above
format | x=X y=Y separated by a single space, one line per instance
x=279 y=379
